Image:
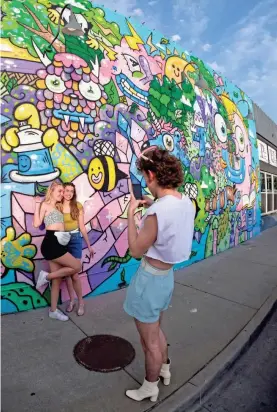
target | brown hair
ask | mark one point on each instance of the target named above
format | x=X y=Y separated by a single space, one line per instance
x=74 y=210
x=166 y=167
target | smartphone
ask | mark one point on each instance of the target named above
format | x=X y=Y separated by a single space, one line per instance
x=137 y=191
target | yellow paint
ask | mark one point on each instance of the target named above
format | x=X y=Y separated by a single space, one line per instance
x=175 y=66
x=134 y=40
x=49 y=104
x=41 y=84
x=230 y=106
x=68 y=139
x=75 y=126
x=96 y=174
x=112 y=175
x=66 y=99
x=56 y=122
x=15 y=52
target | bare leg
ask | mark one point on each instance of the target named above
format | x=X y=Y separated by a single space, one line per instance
x=68 y=266
x=150 y=334
x=78 y=288
x=70 y=289
x=55 y=288
x=163 y=343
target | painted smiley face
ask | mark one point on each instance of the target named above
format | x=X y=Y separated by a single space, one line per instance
x=174 y=68
x=96 y=174
x=24 y=163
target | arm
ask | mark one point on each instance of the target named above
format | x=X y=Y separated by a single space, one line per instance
x=83 y=230
x=39 y=213
x=140 y=242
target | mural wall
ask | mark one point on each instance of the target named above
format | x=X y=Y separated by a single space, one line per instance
x=81 y=109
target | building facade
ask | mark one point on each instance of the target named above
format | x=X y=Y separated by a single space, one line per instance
x=82 y=109
x=267 y=144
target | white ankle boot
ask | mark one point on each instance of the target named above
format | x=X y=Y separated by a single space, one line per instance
x=147 y=390
x=165 y=373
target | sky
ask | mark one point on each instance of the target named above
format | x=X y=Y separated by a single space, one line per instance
x=237 y=38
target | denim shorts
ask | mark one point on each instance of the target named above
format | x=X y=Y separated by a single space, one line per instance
x=149 y=294
x=75 y=245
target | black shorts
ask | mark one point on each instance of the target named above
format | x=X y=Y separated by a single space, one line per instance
x=51 y=248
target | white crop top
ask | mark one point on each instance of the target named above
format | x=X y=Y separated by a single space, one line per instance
x=175 y=229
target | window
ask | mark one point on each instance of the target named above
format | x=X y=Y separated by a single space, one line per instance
x=269 y=193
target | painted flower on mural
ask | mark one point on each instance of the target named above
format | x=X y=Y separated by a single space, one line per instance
x=16 y=253
x=69 y=96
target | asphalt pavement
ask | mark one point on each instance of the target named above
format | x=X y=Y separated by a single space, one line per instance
x=251 y=385
x=217 y=305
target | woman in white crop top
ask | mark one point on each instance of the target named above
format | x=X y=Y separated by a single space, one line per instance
x=165 y=238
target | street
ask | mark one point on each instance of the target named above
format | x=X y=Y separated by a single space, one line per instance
x=251 y=385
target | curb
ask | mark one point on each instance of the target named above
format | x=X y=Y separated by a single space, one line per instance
x=192 y=395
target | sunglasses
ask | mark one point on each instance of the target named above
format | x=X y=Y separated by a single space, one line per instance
x=142 y=155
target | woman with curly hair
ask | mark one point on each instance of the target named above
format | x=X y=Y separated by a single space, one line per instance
x=164 y=239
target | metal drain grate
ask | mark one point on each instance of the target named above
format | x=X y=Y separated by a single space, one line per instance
x=104 y=353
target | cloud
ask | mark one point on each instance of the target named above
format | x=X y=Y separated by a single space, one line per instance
x=153 y=2
x=193 y=15
x=249 y=56
x=206 y=47
x=137 y=12
x=176 y=37
x=214 y=65
x=125 y=7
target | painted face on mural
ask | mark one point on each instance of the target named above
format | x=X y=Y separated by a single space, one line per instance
x=69 y=95
x=96 y=173
x=85 y=119
x=237 y=153
x=132 y=70
x=24 y=163
x=175 y=68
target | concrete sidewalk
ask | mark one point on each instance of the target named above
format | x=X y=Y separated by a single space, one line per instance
x=217 y=306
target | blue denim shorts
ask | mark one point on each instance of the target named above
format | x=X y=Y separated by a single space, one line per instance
x=75 y=245
x=149 y=293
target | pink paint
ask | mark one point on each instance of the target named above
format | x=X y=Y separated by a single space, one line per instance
x=20 y=277
x=58 y=97
x=108 y=214
x=68 y=59
x=121 y=244
x=101 y=247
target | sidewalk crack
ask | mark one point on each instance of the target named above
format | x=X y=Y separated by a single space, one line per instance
x=217 y=296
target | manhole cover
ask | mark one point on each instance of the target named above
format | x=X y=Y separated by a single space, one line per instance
x=104 y=353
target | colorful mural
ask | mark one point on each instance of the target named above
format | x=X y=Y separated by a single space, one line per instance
x=82 y=109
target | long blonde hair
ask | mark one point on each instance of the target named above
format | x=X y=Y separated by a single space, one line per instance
x=49 y=192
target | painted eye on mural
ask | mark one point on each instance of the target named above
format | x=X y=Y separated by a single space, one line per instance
x=55 y=84
x=133 y=64
x=220 y=128
x=168 y=142
x=145 y=145
x=90 y=91
x=240 y=139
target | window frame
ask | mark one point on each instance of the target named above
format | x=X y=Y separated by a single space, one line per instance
x=268 y=192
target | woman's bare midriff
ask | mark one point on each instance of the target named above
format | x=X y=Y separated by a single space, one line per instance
x=59 y=227
x=157 y=263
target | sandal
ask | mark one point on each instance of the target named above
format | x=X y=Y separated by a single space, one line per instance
x=81 y=309
x=70 y=306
